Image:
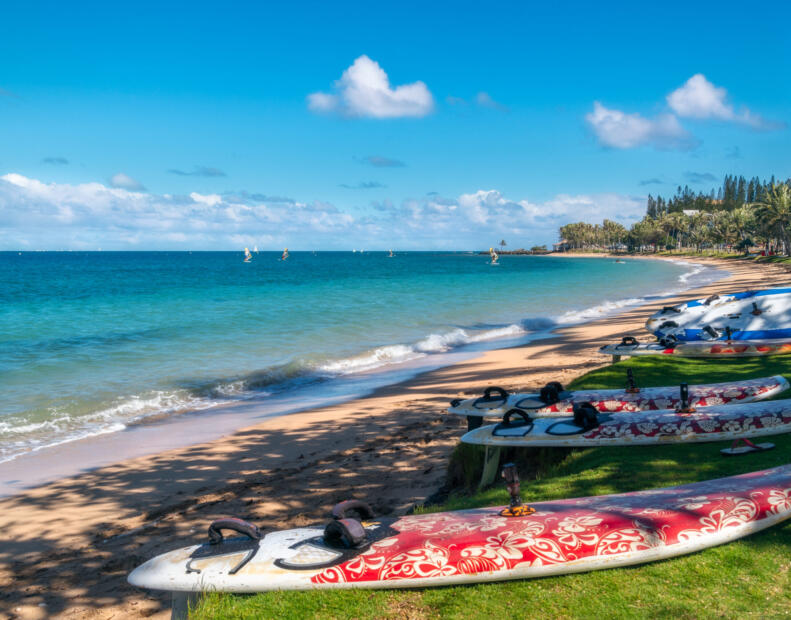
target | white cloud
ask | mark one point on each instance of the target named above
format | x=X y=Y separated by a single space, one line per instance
x=699 y=98
x=364 y=91
x=479 y=218
x=90 y=215
x=207 y=199
x=620 y=130
x=57 y=216
x=124 y=181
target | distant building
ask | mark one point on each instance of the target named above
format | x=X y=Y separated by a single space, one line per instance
x=560 y=246
x=690 y=212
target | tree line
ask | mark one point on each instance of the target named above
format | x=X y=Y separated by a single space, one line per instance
x=740 y=215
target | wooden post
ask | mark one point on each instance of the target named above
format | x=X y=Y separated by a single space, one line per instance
x=181 y=604
x=616 y=359
x=491 y=461
x=473 y=422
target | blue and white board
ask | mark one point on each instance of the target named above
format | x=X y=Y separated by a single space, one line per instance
x=749 y=315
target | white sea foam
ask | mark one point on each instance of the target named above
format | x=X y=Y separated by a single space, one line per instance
x=19 y=435
x=697 y=275
x=431 y=344
x=598 y=311
x=394 y=354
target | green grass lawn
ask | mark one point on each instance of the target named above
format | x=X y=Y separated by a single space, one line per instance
x=747 y=578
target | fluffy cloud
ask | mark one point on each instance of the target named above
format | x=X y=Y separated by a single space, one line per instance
x=699 y=98
x=364 y=91
x=56 y=216
x=469 y=220
x=124 y=181
x=90 y=215
x=620 y=130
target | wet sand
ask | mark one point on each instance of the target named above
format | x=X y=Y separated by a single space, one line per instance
x=68 y=545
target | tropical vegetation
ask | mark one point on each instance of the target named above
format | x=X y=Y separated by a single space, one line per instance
x=741 y=215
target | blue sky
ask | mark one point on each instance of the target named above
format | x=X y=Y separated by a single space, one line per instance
x=496 y=119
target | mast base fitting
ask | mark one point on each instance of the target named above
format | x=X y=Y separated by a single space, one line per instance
x=517 y=511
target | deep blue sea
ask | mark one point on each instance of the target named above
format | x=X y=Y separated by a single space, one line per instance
x=93 y=342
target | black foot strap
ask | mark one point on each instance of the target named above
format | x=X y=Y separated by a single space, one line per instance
x=586 y=416
x=219 y=545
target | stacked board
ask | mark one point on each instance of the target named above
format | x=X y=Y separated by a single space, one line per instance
x=749 y=315
x=497 y=403
x=742 y=421
x=469 y=546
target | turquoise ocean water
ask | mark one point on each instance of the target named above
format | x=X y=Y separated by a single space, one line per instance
x=93 y=342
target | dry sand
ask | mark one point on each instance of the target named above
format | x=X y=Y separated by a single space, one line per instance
x=68 y=546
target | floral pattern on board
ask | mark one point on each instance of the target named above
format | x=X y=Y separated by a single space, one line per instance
x=734 y=420
x=610 y=401
x=470 y=542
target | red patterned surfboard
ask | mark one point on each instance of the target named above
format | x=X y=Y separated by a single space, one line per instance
x=714 y=348
x=468 y=546
x=645 y=399
x=746 y=421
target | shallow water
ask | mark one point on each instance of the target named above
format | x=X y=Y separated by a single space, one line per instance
x=92 y=342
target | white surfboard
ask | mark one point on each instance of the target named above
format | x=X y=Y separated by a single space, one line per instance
x=748 y=315
x=479 y=545
x=640 y=428
x=551 y=403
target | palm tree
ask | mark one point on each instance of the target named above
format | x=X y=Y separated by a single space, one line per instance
x=744 y=222
x=699 y=229
x=774 y=211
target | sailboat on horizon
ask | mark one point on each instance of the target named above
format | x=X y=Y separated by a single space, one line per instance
x=247 y=256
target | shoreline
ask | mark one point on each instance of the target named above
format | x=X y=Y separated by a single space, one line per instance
x=389 y=447
x=161 y=431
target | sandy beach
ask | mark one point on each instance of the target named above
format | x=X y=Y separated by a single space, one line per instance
x=69 y=545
